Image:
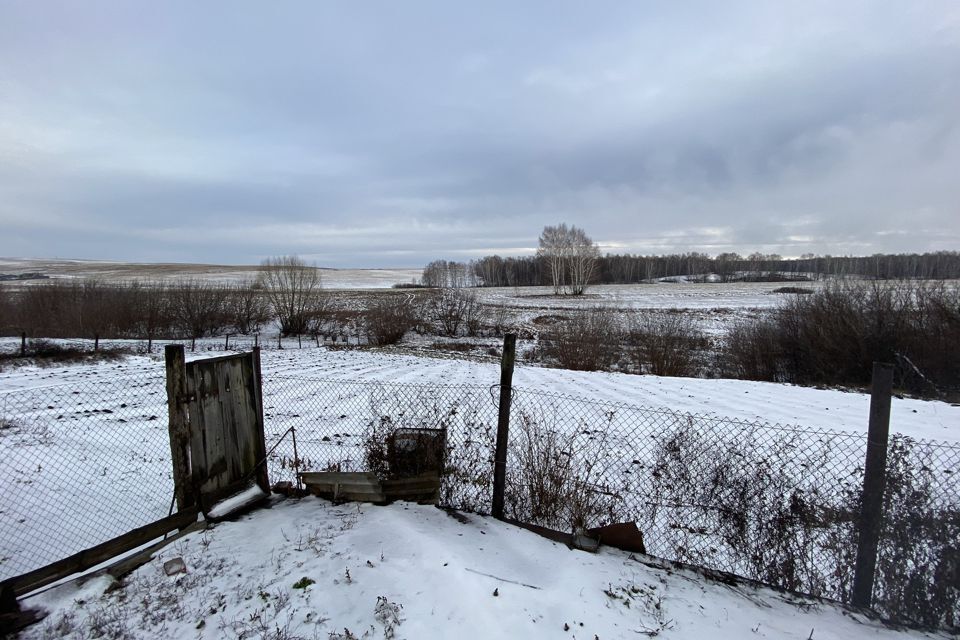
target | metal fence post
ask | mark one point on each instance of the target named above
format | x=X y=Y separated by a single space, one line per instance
x=874 y=480
x=503 y=422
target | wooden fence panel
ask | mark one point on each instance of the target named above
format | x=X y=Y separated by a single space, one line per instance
x=226 y=425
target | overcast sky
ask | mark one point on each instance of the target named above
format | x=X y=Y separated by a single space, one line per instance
x=370 y=134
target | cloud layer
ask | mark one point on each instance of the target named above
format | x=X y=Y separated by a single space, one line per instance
x=391 y=134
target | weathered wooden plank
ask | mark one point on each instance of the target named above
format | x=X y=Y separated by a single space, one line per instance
x=178 y=427
x=338 y=476
x=417 y=482
x=93 y=556
x=227 y=441
x=260 y=443
x=354 y=496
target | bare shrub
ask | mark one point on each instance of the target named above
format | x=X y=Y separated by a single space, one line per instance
x=667 y=344
x=834 y=335
x=389 y=319
x=43 y=352
x=451 y=310
x=586 y=341
x=750 y=491
x=551 y=478
x=918 y=564
x=752 y=352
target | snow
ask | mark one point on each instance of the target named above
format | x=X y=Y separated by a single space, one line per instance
x=92 y=459
x=113 y=272
x=309 y=569
x=237 y=501
x=661 y=295
x=768 y=402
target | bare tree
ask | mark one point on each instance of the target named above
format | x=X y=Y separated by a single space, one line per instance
x=571 y=258
x=448 y=274
x=581 y=261
x=7 y=311
x=293 y=289
x=154 y=314
x=247 y=307
x=554 y=248
x=199 y=308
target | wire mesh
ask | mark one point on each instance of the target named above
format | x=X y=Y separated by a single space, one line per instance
x=80 y=463
x=340 y=424
x=773 y=503
x=85 y=461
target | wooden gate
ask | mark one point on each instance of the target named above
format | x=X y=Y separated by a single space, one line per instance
x=216 y=426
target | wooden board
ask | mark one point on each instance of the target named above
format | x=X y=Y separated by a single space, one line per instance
x=93 y=556
x=366 y=487
x=226 y=425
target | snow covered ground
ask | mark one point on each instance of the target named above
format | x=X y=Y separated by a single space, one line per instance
x=659 y=295
x=85 y=433
x=740 y=399
x=171 y=272
x=308 y=569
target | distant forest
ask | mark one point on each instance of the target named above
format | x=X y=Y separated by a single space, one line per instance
x=496 y=271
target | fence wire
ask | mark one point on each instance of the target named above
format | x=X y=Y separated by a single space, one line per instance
x=80 y=463
x=83 y=462
x=769 y=502
x=339 y=425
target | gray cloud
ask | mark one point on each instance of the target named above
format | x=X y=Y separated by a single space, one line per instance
x=393 y=134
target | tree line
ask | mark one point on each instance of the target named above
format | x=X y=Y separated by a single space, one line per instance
x=286 y=292
x=540 y=270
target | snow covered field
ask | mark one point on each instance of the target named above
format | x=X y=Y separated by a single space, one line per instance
x=741 y=399
x=659 y=295
x=307 y=569
x=113 y=272
x=84 y=436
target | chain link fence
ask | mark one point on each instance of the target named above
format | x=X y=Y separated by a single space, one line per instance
x=86 y=461
x=80 y=463
x=339 y=425
x=774 y=503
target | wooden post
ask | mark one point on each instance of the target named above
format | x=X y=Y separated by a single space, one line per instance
x=23 y=344
x=8 y=599
x=149 y=344
x=256 y=340
x=96 y=342
x=193 y=344
x=280 y=340
x=299 y=342
x=503 y=423
x=178 y=428
x=263 y=478
x=226 y=343
x=874 y=481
